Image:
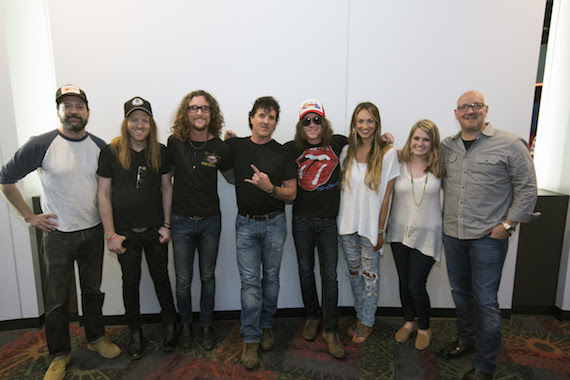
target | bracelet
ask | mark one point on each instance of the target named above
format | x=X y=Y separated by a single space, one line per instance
x=272 y=192
x=166 y=226
x=110 y=237
x=380 y=231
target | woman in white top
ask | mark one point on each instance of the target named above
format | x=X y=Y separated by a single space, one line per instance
x=415 y=230
x=369 y=167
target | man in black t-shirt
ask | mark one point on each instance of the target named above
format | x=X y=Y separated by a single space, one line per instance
x=264 y=178
x=134 y=196
x=316 y=152
x=197 y=154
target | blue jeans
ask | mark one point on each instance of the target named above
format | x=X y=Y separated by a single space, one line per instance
x=189 y=234
x=61 y=249
x=157 y=260
x=413 y=270
x=320 y=233
x=363 y=269
x=259 y=242
x=474 y=268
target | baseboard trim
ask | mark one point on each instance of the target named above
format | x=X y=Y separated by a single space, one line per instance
x=232 y=315
x=562 y=315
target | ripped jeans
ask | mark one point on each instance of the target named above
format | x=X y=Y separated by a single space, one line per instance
x=363 y=270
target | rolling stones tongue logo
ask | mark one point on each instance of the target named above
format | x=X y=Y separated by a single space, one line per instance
x=315 y=167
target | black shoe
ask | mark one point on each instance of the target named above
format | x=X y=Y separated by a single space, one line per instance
x=474 y=374
x=456 y=349
x=168 y=337
x=185 y=337
x=135 y=345
x=208 y=338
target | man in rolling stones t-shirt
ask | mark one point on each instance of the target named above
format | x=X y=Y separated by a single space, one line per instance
x=316 y=151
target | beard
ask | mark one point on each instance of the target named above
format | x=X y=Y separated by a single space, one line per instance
x=74 y=123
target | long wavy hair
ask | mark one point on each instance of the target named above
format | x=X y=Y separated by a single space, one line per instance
x=373 y=175
x=434 y=159
x=121 y=146
x=181 y=126
x=326 y=134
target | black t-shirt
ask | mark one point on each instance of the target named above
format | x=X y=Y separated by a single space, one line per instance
x=195 y=175
x=134 y=207
x=318 y=178
x=272 y=159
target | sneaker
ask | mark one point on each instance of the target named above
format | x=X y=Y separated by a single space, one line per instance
x=105 y=348
x=56 y=370
x=333 y=342
x=135 y=345
x=249 y=357
x=267 y=339
x=169 y=339
x=311 y=329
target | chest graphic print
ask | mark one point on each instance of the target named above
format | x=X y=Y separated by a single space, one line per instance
x=316 y=166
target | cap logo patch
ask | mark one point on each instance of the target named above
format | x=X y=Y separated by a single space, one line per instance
x=137 y=102
x=70 y=90
x=312 y=105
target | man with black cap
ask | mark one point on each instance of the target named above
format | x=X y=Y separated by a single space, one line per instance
x=134 y=171
x=72 y=228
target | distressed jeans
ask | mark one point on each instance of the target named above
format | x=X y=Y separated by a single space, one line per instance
x=363 y=269
x=189 y=234
x=321 y=233
x=259 y=242
x=474 y=268
x=61 y=249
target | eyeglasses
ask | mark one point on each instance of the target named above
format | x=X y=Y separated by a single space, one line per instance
x=194 y=109
x=141 y=173
x=307 y=121
x=474 y=106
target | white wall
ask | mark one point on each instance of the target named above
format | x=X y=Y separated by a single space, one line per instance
x=413 y=60
x=553 y=137
x=28 y=109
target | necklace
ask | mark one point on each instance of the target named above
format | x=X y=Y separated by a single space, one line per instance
x=195 y=147
x=423 y=192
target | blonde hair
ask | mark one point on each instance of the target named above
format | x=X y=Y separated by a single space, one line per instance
x=434 y=159
x=373 y=175
x=121 y=147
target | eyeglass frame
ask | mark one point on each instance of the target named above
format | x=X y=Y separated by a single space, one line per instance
x=474 y=107
x=204 y=109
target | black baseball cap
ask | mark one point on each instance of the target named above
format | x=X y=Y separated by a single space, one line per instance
x=70 y=90
x=137 y=103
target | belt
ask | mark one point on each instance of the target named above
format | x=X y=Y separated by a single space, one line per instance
x=271 y=215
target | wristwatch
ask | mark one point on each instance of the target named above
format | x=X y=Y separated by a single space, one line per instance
x=510 y=229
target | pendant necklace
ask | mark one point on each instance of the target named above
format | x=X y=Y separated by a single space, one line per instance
x=195 y=151
x=414 y=193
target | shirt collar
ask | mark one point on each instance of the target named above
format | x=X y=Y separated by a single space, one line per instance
x=488 y=131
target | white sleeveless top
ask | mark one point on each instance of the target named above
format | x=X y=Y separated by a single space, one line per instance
x=417 y=227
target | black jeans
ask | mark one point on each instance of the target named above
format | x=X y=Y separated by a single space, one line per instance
x=413 y=270
x=157 y=260
x=322 y=234
x=61 y=249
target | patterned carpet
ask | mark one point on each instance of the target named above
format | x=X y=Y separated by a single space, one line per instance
x=533 y=347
